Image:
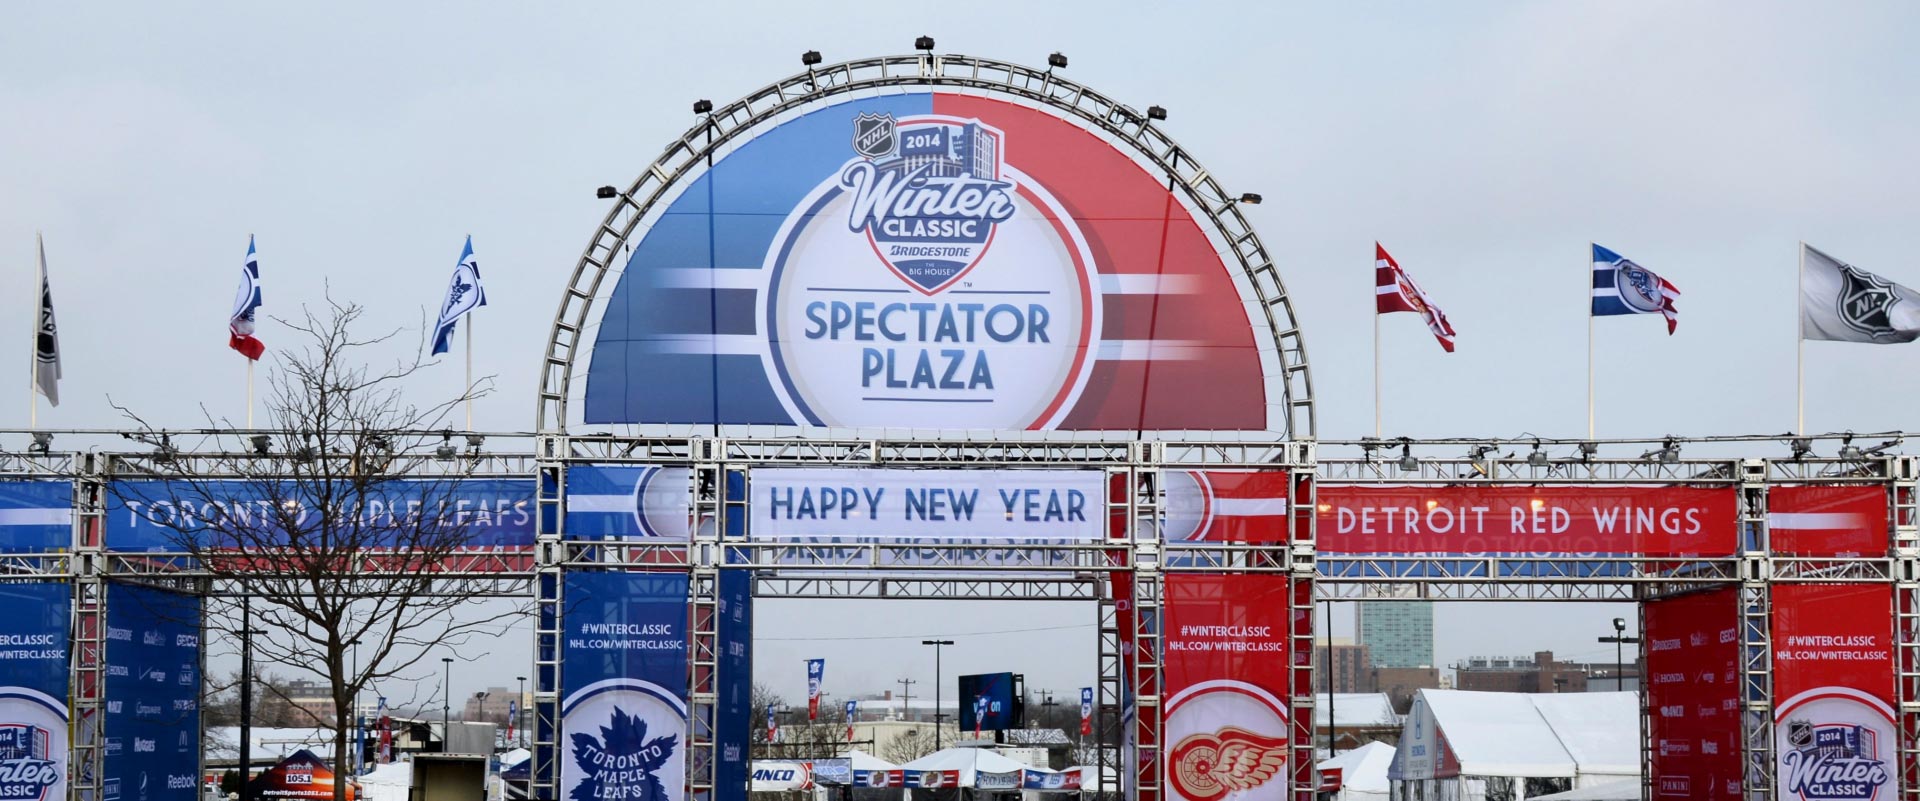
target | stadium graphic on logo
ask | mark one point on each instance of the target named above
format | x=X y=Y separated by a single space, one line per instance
x=1639 y=288
x=1834 y=744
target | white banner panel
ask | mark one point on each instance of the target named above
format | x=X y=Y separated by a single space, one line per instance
x=815 y=503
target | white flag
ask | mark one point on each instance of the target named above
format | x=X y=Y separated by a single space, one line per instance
x=1843 y=303
x=46 y=338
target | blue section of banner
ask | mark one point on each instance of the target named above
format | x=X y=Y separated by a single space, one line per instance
x=643 y=368
x=158 y=516
x=36 y=516
x=151 y=732
x=34 y=640
x=734 y=716
x=624 y=687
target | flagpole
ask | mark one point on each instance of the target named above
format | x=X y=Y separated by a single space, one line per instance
x=1376 y=367
x=469 y=372
x=1587 y=291
x=249 y=394
x=1800 y=349
x=33 y=342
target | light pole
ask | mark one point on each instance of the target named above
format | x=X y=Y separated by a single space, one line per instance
x=446 y=704
x=1619 y=640
x=936 y=687
x=520 y=718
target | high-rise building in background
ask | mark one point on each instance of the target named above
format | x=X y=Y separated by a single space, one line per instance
x=1397 y=634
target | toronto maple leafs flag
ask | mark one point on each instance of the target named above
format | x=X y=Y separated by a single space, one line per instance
x=816 y=673
x=1843 y=303
x=464 y=294
x=1623 y=287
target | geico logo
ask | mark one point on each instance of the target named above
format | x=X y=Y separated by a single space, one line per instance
x=186 y=641
x=1729 y=635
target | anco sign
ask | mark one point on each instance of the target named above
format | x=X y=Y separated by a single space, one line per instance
x=929 y=261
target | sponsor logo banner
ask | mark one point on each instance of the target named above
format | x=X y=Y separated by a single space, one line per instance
x=781 y=776
x=1693 y=639
x=1227 y=729
x=1066 y=780
x=36 y=516
x=1840 y=520
x=1654 y=521
x=624 y=695
x=932 y=779
x=1833 y=663
x=1010 y=780
x=33 y=710
x=155 y=515
x=928 y=260
x=735 y=686
x=300 y=777
x=153 y=643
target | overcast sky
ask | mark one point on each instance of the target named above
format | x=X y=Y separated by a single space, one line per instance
x=1485 y=145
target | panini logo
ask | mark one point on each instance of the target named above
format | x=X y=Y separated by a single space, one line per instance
x=1676 y=785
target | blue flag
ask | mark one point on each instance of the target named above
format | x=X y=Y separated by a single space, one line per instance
x=1623 y=287
x=464 y=294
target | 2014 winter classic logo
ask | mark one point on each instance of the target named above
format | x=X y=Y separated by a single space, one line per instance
x=33 y=746
x=928 y=277
x=1834 y=744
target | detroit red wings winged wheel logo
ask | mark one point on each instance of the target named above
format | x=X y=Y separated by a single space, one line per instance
x=1207 y=766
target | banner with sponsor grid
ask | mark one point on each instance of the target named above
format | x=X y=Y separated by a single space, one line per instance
x=1833 y=668
x=1693 y=687
x=151 y=729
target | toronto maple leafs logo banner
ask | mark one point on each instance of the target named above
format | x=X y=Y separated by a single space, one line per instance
x=624 y=689
x=1226 y=730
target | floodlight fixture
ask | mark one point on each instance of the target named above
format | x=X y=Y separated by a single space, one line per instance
x=42 y=443
x=446 y=451
x=702 y=106
x=923 y=44
x=1848 y=450
x=1538 y=457
x=474 y=441
x=606 y=193
x=1408 y=464
x=810 y=58
x=1588 y=450
x=1057 y=59
x=261 y=444
x=1250 y=198
x=1156 y=113
x=1670 y=453
x=1802 y=447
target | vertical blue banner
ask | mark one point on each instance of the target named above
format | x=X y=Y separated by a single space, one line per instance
x=152 y=723
x=34 y=642
x=36 y=516
x=734 y=716
x=623 y=707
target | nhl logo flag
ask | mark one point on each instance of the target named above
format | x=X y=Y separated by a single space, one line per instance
x=246 y=302
x=464 y=294
x=816 y=670
x=1843 y=303
x=852 y=707
x=1395 y=291
x=46 y=338
x=1623 y=287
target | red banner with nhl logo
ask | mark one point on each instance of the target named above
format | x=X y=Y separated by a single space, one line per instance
x=1833 y=668
x=1693 y=695
x=1227 y=723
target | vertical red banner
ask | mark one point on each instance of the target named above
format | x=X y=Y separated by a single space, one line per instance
x=1833 y=681
x=1693 y=695
x=1227 y=721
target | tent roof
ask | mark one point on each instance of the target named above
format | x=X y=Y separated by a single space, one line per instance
x=1538 y=735
x=1601 y=731
x=968 y=761
x=862 y=760
x=1623 y=790
x=1364 y=768
x=1354 y=709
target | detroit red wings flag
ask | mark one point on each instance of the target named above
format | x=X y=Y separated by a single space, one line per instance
x=1395 y=291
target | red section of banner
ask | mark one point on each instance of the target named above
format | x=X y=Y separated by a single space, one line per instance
x=1834 y=520
x=1693 y=694
x=1227 y=726
x=1218 y=505
x=1652 y=521
x=1833 y=669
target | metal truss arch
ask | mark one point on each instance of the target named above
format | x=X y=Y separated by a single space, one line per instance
x=1144 y=141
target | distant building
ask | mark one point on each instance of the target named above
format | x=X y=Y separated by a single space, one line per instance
x=1397 y=634
x=311 y=702
x=491 y=706
x=1343 y=668
x=1542 y=674
x=1400 y=684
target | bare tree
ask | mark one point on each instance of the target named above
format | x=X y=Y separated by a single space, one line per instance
x=907 y=746
x=343 y=522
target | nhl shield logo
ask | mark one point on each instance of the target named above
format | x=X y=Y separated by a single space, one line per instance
x=875 y=136
x=1866 y=302
x=928 y=194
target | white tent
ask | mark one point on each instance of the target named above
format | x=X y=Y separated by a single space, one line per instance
x=1363 y=772
x=864 y=761
x=1095 y=780
x=389 y=782
x=1623 y=790
x=1454 y=743
x=969 y=762
x=1353 y=710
